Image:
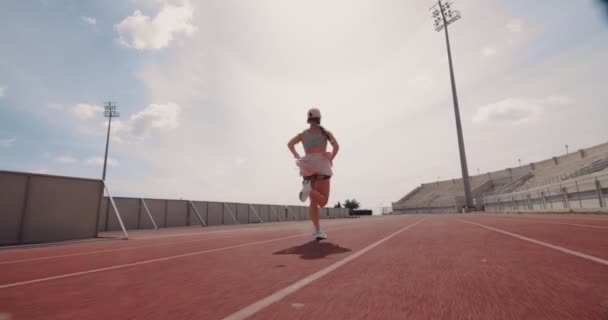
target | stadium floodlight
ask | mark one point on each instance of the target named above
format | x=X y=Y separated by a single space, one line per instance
x=110 y=112
x=443 y=15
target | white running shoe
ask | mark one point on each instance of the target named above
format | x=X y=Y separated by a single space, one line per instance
x=306 y=189
x=320 y=235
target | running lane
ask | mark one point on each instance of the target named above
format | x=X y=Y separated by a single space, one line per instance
x=446 y=269
x=591 y=241
x=597 y=220
x=198 y=286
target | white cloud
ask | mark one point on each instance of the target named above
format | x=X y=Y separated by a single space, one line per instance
x=2 y=91
x=98 y=161
x=41 y=171
x=90 y=161
x=86 y=111
x=66 y=160
x=488 y=51
x=250 y=72
x=512 y=111
x=89 y=20
x=7 y=142
x=515 y=25
x=140 y=125
x=142 y=32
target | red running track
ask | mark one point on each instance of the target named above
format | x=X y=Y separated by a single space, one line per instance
x=392 y=267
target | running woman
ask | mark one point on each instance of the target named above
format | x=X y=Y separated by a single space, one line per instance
x=315 y=166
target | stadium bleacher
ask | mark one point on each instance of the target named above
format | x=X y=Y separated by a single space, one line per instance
x=578 y=169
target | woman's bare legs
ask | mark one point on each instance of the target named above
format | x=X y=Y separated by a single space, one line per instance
x=318 y=198
x=314 y=216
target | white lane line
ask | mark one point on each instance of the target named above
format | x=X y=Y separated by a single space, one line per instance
x=284 y=226
x=552 y=246
x=541 y=220
x=562 y=223
x=146 y=246
x=277 y=296
x=15 y=284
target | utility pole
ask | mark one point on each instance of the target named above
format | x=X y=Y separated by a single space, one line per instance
x=519 y=160
x=443 y=16
x=566 y=149
x=110 y=112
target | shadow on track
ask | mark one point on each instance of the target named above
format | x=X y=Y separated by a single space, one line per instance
x=314 y=250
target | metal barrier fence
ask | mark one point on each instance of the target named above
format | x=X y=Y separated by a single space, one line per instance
x=583 y=194
x=139 y=213
x=39 y=208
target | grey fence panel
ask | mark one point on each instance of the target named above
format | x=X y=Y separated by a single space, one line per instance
x=103 y=214
x=201 y=206
x=61 y=208
x=129 y=211
x=264 y=212
x=276 y=213
x=292 y=213
x=242 y=213
x=215 y=213
x=144 y=219
x=229 y=213
x=332 y=213
x=12 y=200
x=252 y=215
x=158 y=212
x=177 y=213
x=304 y=213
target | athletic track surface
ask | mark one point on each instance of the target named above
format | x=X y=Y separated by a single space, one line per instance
x=473 y=266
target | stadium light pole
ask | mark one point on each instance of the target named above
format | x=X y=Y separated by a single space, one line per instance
x=443 y=16
x=110 y=112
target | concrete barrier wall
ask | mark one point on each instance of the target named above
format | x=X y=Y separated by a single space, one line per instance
x=229 y=213
x=202 y=210
x=177 y=213
x=253 y=218
x=61 y=208
x=13 y=191
x=304 y=213
x=242 y=213
x=103 y=214
x=264 y=212
x=144 y=219
x=40 y=208
x=129 y=211
x=277 y=213
x=158 y=210
x=216 y=212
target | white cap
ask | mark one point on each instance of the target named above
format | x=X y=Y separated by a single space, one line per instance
x=314 y=113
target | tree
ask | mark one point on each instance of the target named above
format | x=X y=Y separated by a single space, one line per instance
x=352 y=204
x=338 y=205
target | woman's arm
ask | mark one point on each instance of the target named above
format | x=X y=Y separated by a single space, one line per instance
x=334 y=144
x=292 y=145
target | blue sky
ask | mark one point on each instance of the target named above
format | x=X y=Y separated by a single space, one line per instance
x=210 y=92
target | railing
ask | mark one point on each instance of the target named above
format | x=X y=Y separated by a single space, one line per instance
x=138 y=213
x=582 y=194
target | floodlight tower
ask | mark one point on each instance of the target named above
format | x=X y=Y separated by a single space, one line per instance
x=443 y=16
x=110 y=112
